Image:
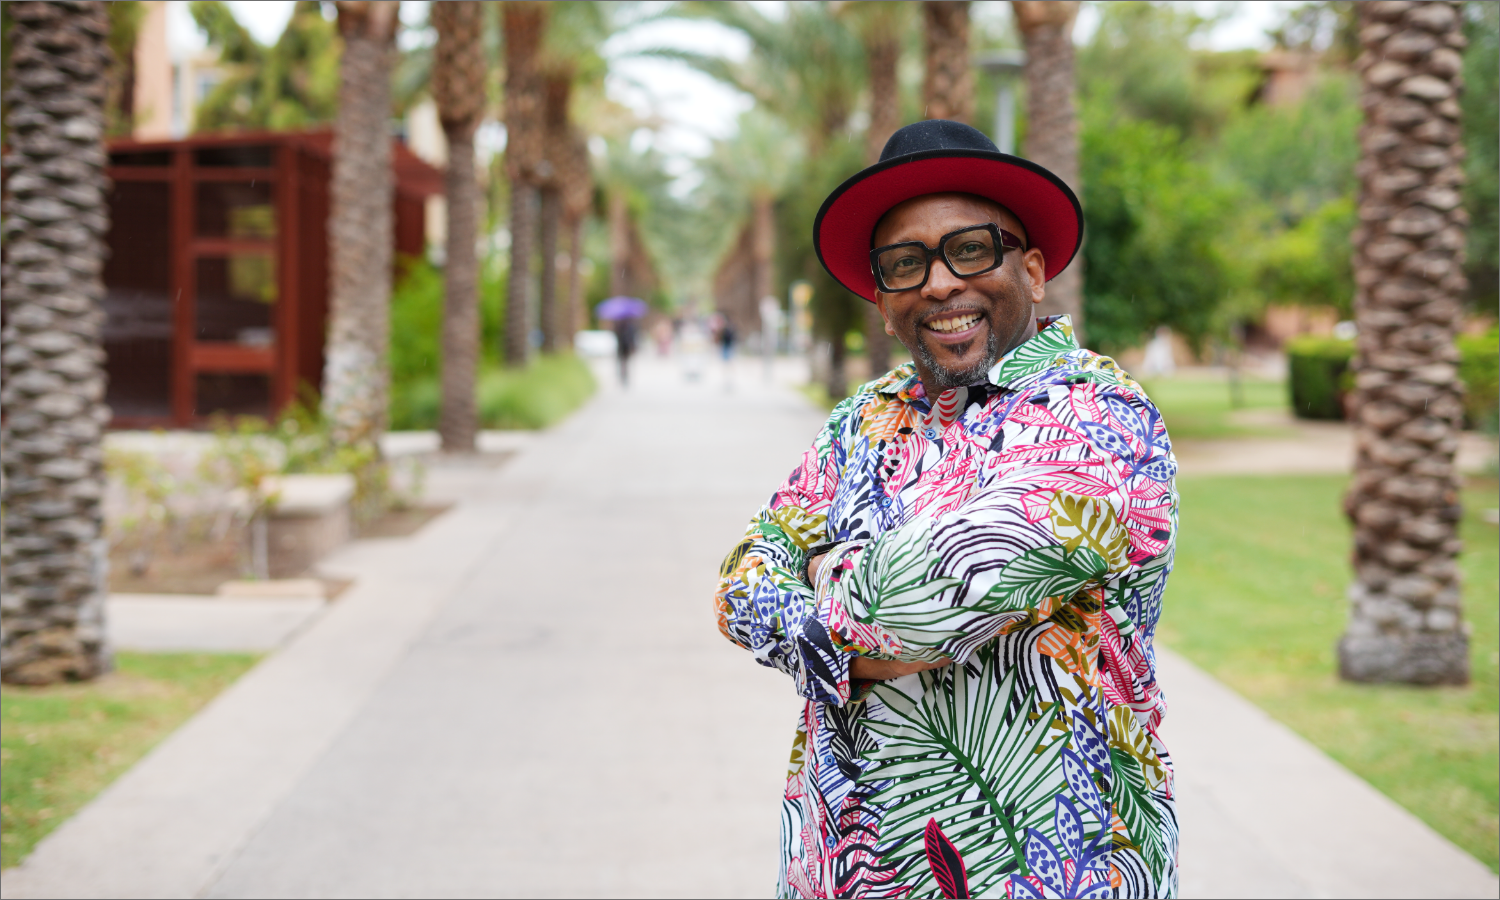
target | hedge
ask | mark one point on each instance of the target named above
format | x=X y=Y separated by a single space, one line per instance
x=1479 y=367
x=1318 y=375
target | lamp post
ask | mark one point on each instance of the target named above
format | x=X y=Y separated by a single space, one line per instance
x=1008 y=65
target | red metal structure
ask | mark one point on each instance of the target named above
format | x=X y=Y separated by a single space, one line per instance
x=217 y=283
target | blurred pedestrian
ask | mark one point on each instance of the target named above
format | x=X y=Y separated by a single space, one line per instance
x=662 y=333
x=726 y=340
x=964 y=573
x=625 y=330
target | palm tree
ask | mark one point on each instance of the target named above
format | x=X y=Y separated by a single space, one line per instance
x=291 y=84
x=1405 y=620
x=557 y=87
x=807 y=69
x=1051 y=123
x=569 y=56
x=52 y=573
x=526 y=166
x=948 y=89
x=575 y=173
x=356 y=377
x=458 y=75
x=745 y=176
x=880 y=27
x=634 y=185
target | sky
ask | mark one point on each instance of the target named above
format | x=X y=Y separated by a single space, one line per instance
x=695 y=108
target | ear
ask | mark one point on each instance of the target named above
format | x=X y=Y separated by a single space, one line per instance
x=1036 y=274
x=880 y=305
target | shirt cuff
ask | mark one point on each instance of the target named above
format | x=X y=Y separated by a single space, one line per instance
x=826 y=667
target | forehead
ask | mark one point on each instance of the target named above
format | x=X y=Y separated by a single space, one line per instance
x=930 y=216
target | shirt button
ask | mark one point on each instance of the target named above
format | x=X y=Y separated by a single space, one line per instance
x=932 y=434
x=831 y=842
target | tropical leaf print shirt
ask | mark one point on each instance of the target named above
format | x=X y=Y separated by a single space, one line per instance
x=1023 y=527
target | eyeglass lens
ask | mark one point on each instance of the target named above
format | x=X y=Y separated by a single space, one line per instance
x=968 y=252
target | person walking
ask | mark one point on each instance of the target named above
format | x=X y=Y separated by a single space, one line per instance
x=627 y=330
x=726 y=337
x=964 y=573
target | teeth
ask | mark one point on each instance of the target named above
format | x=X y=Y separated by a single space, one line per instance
x=949 y=326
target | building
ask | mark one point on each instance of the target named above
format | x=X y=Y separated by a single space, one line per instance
x=216 y=286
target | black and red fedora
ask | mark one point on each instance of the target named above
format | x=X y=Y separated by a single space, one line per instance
x=937 y=156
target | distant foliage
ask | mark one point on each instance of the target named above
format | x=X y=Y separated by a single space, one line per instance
x=1482 y=139
x=534 y=397
x=537 y=396
x=292 y=84
x=417 y=320
x=1298 y=157
x=1479 y=367
x=1155 y=219
x=1204 y=204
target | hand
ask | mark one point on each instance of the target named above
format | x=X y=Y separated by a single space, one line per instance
x=812 y=567
x=886 y=669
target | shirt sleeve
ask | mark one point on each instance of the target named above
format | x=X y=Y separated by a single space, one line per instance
x=764 y=605
x=1073 y=510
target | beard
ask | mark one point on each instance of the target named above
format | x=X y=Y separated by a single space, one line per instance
x=952 y=378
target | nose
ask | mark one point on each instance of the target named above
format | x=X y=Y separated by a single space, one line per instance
x=941 y=283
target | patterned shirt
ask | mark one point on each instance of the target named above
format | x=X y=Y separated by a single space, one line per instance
x=1023 y=527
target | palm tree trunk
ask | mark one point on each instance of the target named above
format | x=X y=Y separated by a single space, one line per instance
x=882 y=52
x=53 y=555
x=838 y=378
x=574 y=316
x=524 y=23
x=576 y=180
x=763 y=249
x=1406 y=622
x=551 y=211
x=948 y=89
x=356 y=376
x=457 y=84
x=458 y=419
x=557 y=93
x=1052 y=125
x=619 y=245
x=523 y=222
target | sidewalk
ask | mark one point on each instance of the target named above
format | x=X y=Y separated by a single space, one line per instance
x=529 y=698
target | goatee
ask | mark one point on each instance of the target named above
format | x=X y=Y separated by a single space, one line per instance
x=952 y=378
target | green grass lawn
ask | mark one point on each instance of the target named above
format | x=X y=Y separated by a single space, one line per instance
x=1257 y=599
x=1199 y=408
x=61 y=745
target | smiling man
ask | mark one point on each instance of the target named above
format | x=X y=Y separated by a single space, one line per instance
x=964 y=574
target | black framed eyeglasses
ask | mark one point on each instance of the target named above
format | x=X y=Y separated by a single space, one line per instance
x=966 y=252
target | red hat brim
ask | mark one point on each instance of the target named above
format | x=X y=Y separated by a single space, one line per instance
x=845 y=226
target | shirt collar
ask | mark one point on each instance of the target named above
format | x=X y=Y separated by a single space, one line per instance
x=1053 y=340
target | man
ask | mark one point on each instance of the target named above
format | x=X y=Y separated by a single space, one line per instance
x=964 y=573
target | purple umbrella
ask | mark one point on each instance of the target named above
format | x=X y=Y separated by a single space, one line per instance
x=621 y=307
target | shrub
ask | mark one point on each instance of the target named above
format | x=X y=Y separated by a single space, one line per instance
x=1479 y=367
x=1317 y=375
x=537 y=396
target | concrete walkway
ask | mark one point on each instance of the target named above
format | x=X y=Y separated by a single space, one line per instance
x=529 y=698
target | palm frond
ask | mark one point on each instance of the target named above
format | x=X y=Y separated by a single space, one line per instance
x=957 y=756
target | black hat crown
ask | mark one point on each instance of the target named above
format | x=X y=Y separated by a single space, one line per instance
x=936 y=134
